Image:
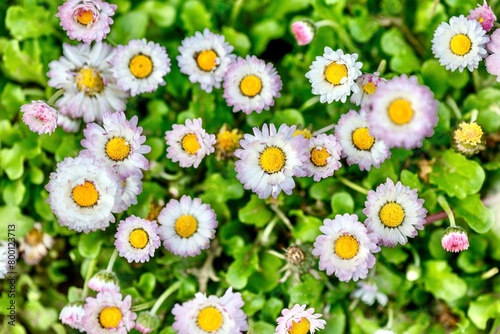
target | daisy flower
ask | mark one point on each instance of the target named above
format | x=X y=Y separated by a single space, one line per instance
x=299 y=320
x=137 y=239
x=227 y=142
x=333 y=75
x=403 y=112
x=83 y=194
x=39 y=117
x=493 y=60
x=86 y=20
x=460 y=43
x=269 y=159
x=89 y=87
x=189 y=144
x=4 y=258
x=72 y=315
x=323 y=156
x=367 y=84
x=468 y=138
x=303 y=31
x=345 y=248
x=146 y=322
x=205 y=58
x=132 y=187
x=140 y=66
x=186 y=226
x=108 y=313
x=368 y=293
x=118 y=142
x=211 y=315
x=455 y=239
x=484 y=15
x=35 y=244
x=358 y=144
x=251 y=85
x=68 y=124
x=104 y=281
x=394 y=213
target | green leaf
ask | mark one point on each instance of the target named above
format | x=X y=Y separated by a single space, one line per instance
x=266 y=279
x=11 y=100
x=13 y=192
x=26 y=23
x=264 y=31
x=147 y=283
x=41 y=317
x=288 y=116
x=362 y=28
x=442 y=282
x=405 y=62
x=472 y=260
x=23 y=65
x=306 y=228
x=483 y=308
x=89 y=245
x=272 y=309
x=132 y=25
x=11 y=161
x=240 y=270
x=476 y=214
x=74 y=294
x=392 y=42
x=456 y=175
x=342 y=202
x=195 y=17
x=435 y=77
x=323 y=189
x=410 y=179
x=395 y=255
x=162 y=14
x=11 y=215
x=253 y=303
x=308 y=292
x=255 y=212
x=238 y=40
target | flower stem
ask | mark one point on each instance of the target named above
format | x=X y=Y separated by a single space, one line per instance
x=264 y=237
x=341 y=33
x=278 y=255
x=390 y=318
x=55 y=97
x=473 y=115
x=174 y=287
x=453 y=105
x=381 y=67
x=282 y=216
x=309 y=103
x=236 y=11
x=90 y=271
x=325 y=129
x=446 y=207
x=352 y=185
x=112 y=260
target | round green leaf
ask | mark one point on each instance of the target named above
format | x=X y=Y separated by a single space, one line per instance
x=89 y=245
x=342 y=202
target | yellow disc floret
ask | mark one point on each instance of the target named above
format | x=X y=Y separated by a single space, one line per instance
x=304 y=132
x=369 y=88
x=469 y=133
x=110 y=317
x=190 y=144
x=334 y=73
x=319 y=156
x=206 y=60
x=392 y=214
x=272 y=159
x=34 y=237
x=138 y=238
x=186 y=226
x=251 y=85
x=346 y=247
x=85 y=17
x=209 y=319
x=362 y=139
x=89 y=81
x=141 y=66
x=117 y=149
x=460 y=44
x=400 y=111
x=85 y=195
x=228 y=141
x=301 y=327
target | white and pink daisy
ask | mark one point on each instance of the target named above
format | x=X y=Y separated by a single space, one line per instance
x=324 y=154
x=72 y=315
x=137 y=239
x=108 y=312
x=455 y=239
x=39 y=117
x=368 y=84
x=303 y=31
x=493 y=60
x=299 y=320
x=484 y=15
x=132 y=187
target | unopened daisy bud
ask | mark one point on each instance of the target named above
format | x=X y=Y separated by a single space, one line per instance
x=304 y=132
x=72 y=315
x=146 y=322
x=484 y=15
x=104 y=281
x=227 y=142
x=39 y=117
x=303 y=31
x=468 y=138
x=455 y=239
x=413 y=272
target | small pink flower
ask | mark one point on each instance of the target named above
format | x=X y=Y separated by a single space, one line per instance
x=40 y=117
x=484 y=15
x=455 y=239
x=493 y=60
x=303 y=31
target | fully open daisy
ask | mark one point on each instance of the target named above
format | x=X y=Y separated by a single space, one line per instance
x=205 y=58
x=72 y=315
x=345 y=248
x=35 y=244
x=460 y=43
x=333 y=75
x=186 y=226
x=251 y=85
x=86 y=20
x=39 y=117
x=83 y=193
x=298 y=320
x=367 y=84
x=394 y=213
x=108 y=313
x=359 y=146
x=324 y=156
x=89 y=87
x=137 y=239
x=484 y=15
x=140 y=66
x=269 y=159
x=211 y=315
x=189 y=144
x=403 y=112
x=118 y=142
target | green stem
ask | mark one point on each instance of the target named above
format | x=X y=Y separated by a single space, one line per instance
x=446 y=207
x=390 y=318
x=309 y=103
x=236 y=11
x=34 y=92
x=476 y=80
x=454 y=107
x=282 y=216
x=278 y=255
x=381 y=67
x=473 y=115
x=341 y=32
x=143 y=306
x=90 y=271
x=325 y=129
x=112 y=260
x=54 y=97
x=353 y=185
x=174 y=287
x=264 y=237
x=110 y=41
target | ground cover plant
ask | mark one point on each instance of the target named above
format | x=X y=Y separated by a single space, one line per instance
x=272 y=166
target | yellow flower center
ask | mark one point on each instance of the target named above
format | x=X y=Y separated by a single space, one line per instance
x=301 y=327
x=206 y=60
x=110 y=317
x=89 y=81
x=460 y=44
x=304 y=132
x=369 y=88
x=85 y=195
x=117 y=149
x=228 y=141
x=209 y=319
x=85 y=17
x=186 y=226
x=334 y=73
x=141 y=66
x=346 y=247
x=400 y=111
x=362 y=139
x=319 y=156
x=138 y=238
x=34 y=237
x=480 y=19
x=251 y=85
x=469 y=133
x=190 y=144
x=272 y=160
x=392 y=214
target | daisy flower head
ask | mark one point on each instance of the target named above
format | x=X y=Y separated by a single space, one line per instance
x=118 y=142
x=269 y=159
x=205 y=58
x=189 y=144
x=394 y=213
x=493 y=60
x=345 y=248
x=251 y=85
x=303 y=31
x=333 y=75
x=132 y=187
x=86 y=20
x=358 y=144
x=84 y=193
x=108 y=312
x=89 y=86
x=227 y=142
x=39 y=117
x=186 y=226
x=468 y=138
x=484 y=15
x=35 y=244
x=72 y=315
x=140 y=66
x=299 y=320
x=403 y=112
x=137 y=239
x=211 y=315
x=460 y=44
x=104 y=281
x=324 y=156
x=368 y=293
x=455 y=239
x=367 y=84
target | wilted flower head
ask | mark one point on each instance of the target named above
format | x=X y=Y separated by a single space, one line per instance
x=468 y=138
x=303 y=31
x=39 y=117
x=455 y=239
x=35 y=244
x=484 y=15
x=227 y=141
